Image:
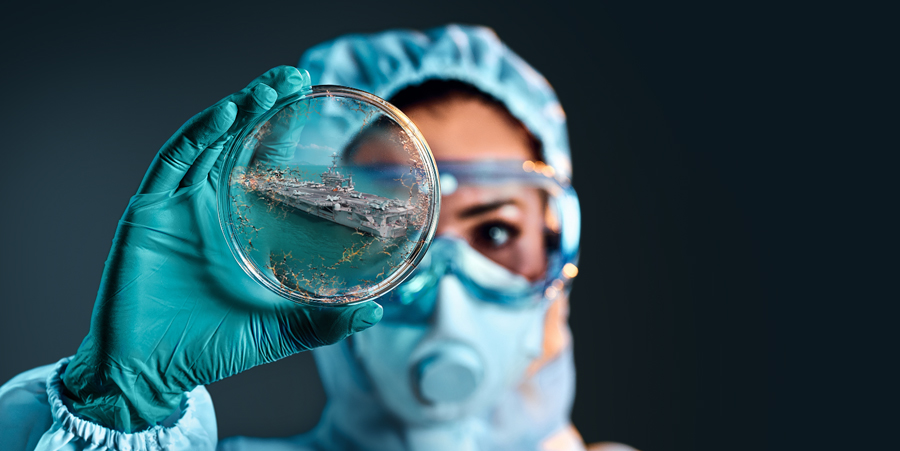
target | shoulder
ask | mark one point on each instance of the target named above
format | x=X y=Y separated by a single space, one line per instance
x=24 y=409
x=26 y=391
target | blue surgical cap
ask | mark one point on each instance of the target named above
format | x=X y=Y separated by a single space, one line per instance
x=387 y=62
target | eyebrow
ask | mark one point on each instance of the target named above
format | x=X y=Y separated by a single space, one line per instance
x=484 y=208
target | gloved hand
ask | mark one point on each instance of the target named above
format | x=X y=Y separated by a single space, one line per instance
x=174 y=309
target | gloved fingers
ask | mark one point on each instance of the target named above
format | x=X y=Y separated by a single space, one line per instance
x=178 y=154
x=311 y=327
x=251 y=102
x=286 y=128
x=216 y=169
x=284 y=80
x=263 y=91
x=200 y=169
x=215 y=126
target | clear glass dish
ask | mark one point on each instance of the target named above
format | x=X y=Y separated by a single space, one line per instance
x=308 y=211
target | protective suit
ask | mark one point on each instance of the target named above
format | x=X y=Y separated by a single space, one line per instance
x=434 y=374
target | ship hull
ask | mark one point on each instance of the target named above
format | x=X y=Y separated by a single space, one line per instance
x=384 y=224
x=345 y=218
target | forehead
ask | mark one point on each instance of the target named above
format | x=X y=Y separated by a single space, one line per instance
x=462 y=129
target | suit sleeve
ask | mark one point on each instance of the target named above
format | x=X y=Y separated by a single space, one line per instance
x=35 y=415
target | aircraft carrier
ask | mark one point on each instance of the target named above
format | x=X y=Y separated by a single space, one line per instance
x=334 y=199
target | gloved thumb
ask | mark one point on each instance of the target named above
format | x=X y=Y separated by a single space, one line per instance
x=332 y=324
x=365 y=316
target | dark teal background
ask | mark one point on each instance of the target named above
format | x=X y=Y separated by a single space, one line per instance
x=694 y=159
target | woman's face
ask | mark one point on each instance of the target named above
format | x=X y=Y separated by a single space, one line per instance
x=503 y=223
x=488 y=346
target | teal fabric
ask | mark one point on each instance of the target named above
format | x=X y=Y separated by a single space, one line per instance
x=174 y=309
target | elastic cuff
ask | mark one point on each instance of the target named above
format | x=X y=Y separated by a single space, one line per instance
x=174 y=430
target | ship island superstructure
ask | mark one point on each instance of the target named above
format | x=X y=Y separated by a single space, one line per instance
x=335 y=199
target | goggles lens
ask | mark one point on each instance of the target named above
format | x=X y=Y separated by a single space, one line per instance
x=500 y=233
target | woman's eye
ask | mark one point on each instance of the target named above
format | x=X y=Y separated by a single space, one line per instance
x=496 y=234
x=499 y=235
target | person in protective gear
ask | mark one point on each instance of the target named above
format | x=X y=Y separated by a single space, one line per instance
x=473 y=350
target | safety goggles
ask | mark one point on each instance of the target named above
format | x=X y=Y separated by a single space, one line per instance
x=508 y=231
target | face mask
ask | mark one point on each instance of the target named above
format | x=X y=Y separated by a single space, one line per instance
x=448 y=354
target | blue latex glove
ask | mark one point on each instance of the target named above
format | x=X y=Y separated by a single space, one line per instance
x=174 y=309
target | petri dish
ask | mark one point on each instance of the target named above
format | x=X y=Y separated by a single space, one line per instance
x=331 y=197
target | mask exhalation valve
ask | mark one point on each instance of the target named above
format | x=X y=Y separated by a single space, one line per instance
x=450 y=375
